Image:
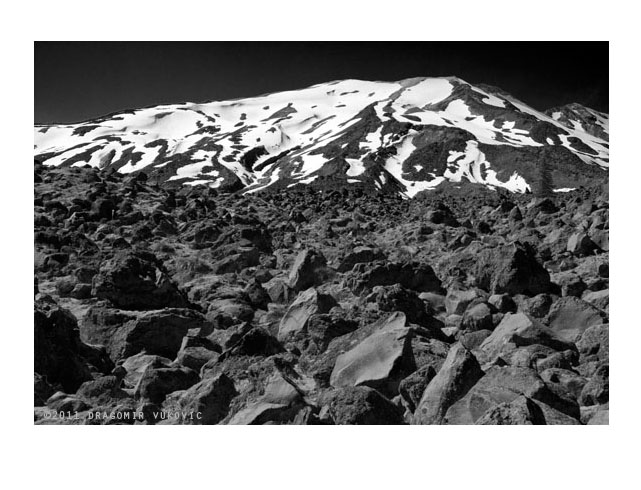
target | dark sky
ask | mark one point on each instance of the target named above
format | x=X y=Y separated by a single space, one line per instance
x=75 y=81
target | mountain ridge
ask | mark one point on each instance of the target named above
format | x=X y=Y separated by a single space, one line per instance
x=404 y=137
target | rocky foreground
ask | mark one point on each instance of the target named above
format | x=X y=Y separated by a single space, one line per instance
x=189 y=306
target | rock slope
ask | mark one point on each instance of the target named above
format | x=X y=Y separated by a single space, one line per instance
x=465 y=305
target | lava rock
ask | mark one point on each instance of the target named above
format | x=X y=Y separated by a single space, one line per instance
x=137 y=280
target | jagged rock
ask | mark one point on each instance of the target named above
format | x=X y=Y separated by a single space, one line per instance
x=412 y=387
x=137 y=280
x=361 y=405
x=280 y=402
x=157 y=381
x=196 y=351
x=457 y=300
x=223 y=313
x=306 y=304
x=597 y=389
x=459 y=373
x=473 y=340
x=397 y=298
x=520 y=330
x=411 y=275
x=569 y=317
x=579 y=244
x=537 y=307
x=504 y=385
x=243 y=258
x=525 y=411
x=69 y=404
x=596 y=414
x=568 y=381
x=571 y=284
x=157 y=332
x=136 y=365
x=360 y=255
x=59 y=354
x=601 y=238
x=381 y=360
x=257 y=296
x=104 y=388
x=512 y=269
x=255 y=342
x=477 y=317
x=322 y=328
x=594 y=343
x=206 y=402
x=503 y=303
x=309 y=269
x=598 y=299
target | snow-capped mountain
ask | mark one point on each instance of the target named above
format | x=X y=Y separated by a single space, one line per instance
x=405 y=136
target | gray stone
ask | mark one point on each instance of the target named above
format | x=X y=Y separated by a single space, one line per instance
x=309 y=302
x=381 y=360
x=457 y=375
x=569 y=317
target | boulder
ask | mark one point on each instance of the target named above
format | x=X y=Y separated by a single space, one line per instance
x=597 y=390
x=537 y=306
x=601 y=238
x=457 y=375
x=520 y=330
x=477 y=317
x=512 y=269
x=223 y=313
x=594 y=344
x=59 y=354
x=397 y=298
x=309 y=302
x=411 y=275
x=381 y=360
x=569 y=317
x=411 y=388
x=280 y=402
x=137 y=281
x=598 y=299
x=254 y=342
x=502 y=303
x=206 y=402
x=243 y=258
x=102 y=389
x=322 y=328
x=136 y=365
x=566 y=381
x=504 y=385
x=158 y=332
x=361 y=405
x=457 y=300
x=580 y=244
x=359 y=255
x=525 y=411
x=308 y=270
x=571 y=284
x=158 y=381
x=196 y=351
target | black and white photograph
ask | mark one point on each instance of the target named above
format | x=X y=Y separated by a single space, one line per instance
x=423 y=250
x=379 y=229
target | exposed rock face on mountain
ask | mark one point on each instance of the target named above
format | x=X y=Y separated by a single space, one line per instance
x=393 y=137
x=157 y=305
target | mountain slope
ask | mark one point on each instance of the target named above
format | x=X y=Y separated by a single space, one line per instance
x=402 y=137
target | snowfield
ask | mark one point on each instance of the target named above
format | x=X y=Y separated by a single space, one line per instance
x=293 y=135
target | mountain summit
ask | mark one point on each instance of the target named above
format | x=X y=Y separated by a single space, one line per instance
x=401 y=137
